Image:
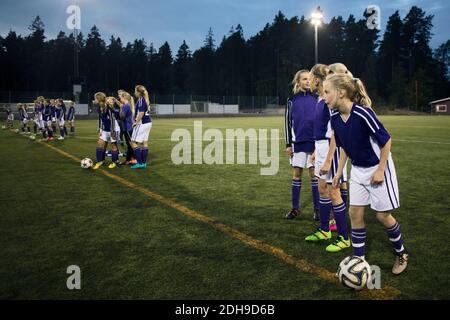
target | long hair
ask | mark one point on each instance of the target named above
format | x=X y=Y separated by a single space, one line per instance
x=100 y=98
x=320 y=72
x=144 y=93
x=339 y=68
x=356 y=91
x=130 y=99
x=296 y=81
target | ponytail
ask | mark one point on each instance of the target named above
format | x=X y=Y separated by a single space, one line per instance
x=361 y=96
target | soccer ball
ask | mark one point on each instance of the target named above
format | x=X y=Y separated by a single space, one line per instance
x=354 y=273
x=86 y=163
x=3 y=127
x=16 y=130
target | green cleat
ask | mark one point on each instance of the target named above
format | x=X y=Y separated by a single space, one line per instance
x=319 y=235
x=339 y=244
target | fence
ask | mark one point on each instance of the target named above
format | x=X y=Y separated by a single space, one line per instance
x=168 y=104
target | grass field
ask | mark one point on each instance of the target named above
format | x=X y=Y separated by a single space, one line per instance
x=130 y=245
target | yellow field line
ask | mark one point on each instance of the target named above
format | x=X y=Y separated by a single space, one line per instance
x=387 y=292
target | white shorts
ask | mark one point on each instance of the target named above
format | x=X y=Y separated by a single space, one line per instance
x=301 y=160
x=61 y=122
x=48 y=123
x=25 y=121
x=322 y=147
x=384 y=197
x=53 y=119
x=107 y=137
x=141 y=132
x=11 y=117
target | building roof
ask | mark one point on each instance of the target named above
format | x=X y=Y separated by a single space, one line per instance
x=436 y=101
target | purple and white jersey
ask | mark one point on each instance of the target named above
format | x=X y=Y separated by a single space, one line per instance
x=361 y=136
x=322 y=125
x=141 y=106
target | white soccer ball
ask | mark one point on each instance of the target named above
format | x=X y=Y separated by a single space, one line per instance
x=3 y=127
x=354 y=272
x=86 y=163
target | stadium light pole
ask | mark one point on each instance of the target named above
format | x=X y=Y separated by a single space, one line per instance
x=316 y=20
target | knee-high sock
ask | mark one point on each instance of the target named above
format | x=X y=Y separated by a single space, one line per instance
x=61 y=131
x=344 y=195
x=359 y=242
x=115 y=156
x=138 y=155
x=315 y=193
x=50 y=133
x=340 y=215
x=35 y=128
x=144 y=155
x=72 y=129
x=296 y=188
x=100 y=154
x=325 y=210
x=396 y=238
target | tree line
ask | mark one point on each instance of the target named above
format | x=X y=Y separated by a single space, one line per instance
x=399 y=68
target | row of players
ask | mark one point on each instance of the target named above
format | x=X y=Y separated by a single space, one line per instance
x=328 y=120
x=48 y=116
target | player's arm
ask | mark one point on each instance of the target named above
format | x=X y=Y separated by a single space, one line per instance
x=139 y=118
x=288 y=128
x=331 y=150
x=378 y=176
x=342 y=160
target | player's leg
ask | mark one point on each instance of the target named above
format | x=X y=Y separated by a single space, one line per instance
x=340 y=213
x=49 y=130
x=323 y=232
x=315 y=192
x=62 y=133
x=101 y=150
x=114 y=155
x=295 y=192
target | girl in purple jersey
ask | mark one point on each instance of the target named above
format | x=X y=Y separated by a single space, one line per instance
x=373 y=180
x=141 y=127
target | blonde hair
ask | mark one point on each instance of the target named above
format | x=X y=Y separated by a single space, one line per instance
x=296 y=81
x=320 y=72
x=143 y=91
x=339 y=68
x=130 y=99
x=100 y=98
x=356 y=91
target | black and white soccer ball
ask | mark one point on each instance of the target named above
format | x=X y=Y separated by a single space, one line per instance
x=86 y=163
x=354 y=272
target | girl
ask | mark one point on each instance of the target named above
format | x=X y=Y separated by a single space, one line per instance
x=108 y=128
x=71 y=117
x=362 y=138
x=126 y=104
x=61 y=118
x=325 y=155
x=141 y=128
x=299 y=119
x=53 y=107
x=47 y=118
x=24 y=119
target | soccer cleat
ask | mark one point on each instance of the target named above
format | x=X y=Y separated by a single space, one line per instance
x=50 y=139
x=333 y=227
x=316 y=215
x=134 y=161
x=401 y=262
x=112 y=165
x=138 y=166
x=338 y=244
x=319 y=235
x=61 y=138
x=292 y=214
x=97 y=165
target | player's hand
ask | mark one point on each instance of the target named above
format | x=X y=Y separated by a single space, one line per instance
x=325 y=168
x=336 y=184
x=312 y=159
x=289 y=151
x=377 y=178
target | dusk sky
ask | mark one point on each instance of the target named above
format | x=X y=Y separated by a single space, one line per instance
x=176 y=20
